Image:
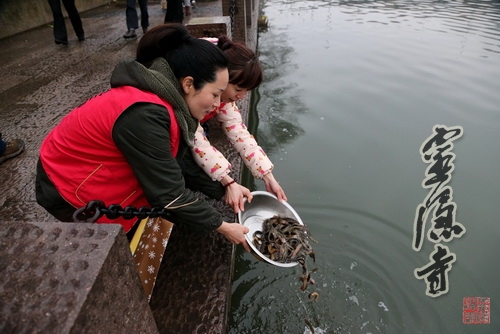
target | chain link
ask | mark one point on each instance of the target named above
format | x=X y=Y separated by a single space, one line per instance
x=233 y=10
x=96 y=209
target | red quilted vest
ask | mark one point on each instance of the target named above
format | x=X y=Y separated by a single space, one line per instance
x=82 y=160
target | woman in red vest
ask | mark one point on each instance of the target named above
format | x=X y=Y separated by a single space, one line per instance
x=126 y=145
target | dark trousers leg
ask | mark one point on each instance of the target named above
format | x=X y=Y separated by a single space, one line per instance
x=74 y=17
x=48 y=197
x=60 y=33
x=3 y=145
x=175 y=12
x=131 y=15
x=143 y=4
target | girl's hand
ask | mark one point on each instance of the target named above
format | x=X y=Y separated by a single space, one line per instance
x=274 y=187
x=235 y=194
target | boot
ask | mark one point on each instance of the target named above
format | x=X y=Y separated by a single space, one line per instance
x=130 y=34
x=60 y=41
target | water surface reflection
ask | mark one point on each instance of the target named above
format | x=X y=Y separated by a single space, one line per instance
x=352 y=90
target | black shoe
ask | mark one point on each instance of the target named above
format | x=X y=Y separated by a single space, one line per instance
x=144 y=30
x=81 y=38
x=59 y=42
x=130 y=34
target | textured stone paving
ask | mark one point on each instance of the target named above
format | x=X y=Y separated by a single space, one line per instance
x=62 y=278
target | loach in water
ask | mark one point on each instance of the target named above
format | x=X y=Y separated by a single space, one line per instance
x=308 y=323
x=286 y=240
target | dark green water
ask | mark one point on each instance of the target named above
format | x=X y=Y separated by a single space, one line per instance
x=352 y=90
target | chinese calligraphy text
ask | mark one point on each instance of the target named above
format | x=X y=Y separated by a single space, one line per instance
x=437 y=152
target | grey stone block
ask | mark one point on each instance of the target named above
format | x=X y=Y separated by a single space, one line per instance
x=213 y=26
x=69 y=278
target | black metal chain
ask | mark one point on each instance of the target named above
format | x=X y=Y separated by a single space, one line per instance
x=233 y=10
x=96 y=209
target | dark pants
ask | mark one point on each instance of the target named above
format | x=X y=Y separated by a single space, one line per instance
x=48 y=197
x=131 y=13
x=60 y=33
x=3 y=145
x=175 y=11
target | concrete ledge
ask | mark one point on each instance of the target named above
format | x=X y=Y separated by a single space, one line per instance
x=69 y=278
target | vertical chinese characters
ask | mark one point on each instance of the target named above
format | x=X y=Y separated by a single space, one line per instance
x=437 y=152
x=436 y=272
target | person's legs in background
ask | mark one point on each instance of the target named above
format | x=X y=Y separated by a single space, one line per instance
x=132 y=21
x=3 y=145
x=75 y=19
x=143 y=5
x=187 y=7
x=10 y=149
x=175 y=11
x=60 y=33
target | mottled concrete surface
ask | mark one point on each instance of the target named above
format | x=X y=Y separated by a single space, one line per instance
x=69 y=278
x=40 y=83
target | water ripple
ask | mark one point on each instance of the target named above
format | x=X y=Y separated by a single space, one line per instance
x=365 y=81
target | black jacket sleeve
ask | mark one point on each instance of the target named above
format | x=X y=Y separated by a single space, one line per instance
x=142 y=134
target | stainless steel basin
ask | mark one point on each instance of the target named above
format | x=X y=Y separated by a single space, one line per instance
x=264 y=205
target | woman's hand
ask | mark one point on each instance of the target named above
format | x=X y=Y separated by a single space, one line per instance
x=274 y=187
x=235 y=194
x=235 y=233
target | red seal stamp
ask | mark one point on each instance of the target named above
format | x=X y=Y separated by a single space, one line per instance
x=476 y=310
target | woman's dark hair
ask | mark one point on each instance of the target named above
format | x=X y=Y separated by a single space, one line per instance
x=244 y=67
x=186 y=55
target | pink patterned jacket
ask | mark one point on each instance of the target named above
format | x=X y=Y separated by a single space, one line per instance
x=213 y=162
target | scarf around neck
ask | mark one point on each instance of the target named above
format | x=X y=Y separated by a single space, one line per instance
x=160 y=80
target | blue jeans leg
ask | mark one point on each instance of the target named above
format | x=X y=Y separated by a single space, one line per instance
x=143 y=4
x=3 y=145
x=131 y=15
